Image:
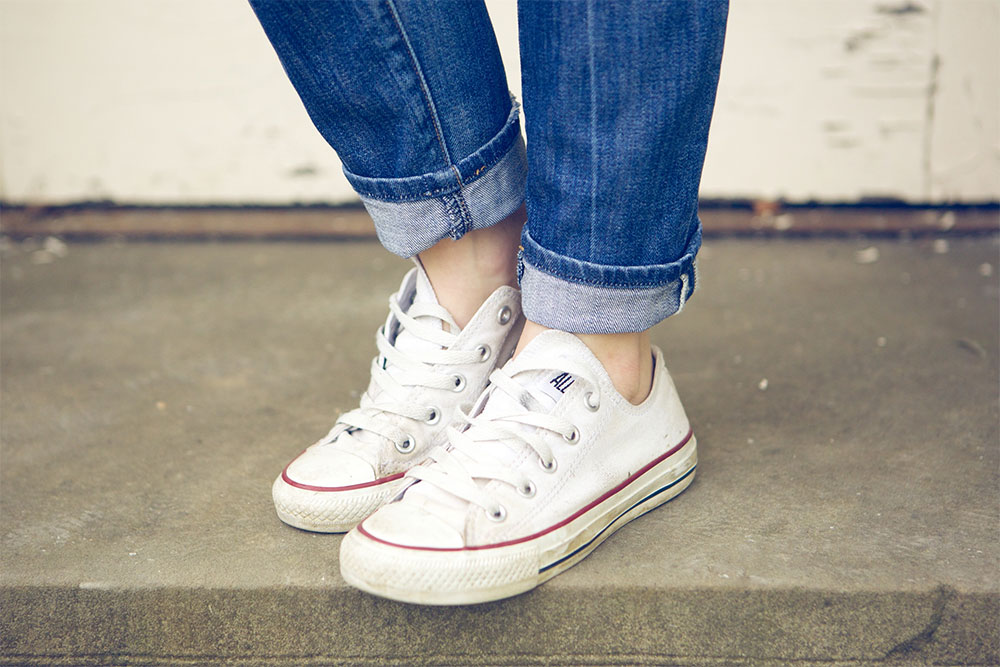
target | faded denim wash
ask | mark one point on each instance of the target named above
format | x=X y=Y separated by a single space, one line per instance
x=618 y=98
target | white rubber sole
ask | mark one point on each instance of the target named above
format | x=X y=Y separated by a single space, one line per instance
x=473 y=575
x=329 y=511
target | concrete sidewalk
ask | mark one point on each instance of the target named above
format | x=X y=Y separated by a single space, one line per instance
x=846 y=509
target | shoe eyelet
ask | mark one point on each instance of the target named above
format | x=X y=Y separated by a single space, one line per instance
x=548 y=467
x=528 y=490
x=503 y=317
x=433 y=415
x=497 y=514
x=592 y=406
x=484 y=352
x=459 y=383
x=573 y=436
x=407 y=445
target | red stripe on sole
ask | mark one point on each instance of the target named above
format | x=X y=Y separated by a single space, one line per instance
x=660 y=459
x=350 y=487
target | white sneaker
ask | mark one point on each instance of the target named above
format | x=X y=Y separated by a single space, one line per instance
x=423 y=375
x=553 y=461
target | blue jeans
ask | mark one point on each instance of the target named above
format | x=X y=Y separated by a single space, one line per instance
x=618 y=98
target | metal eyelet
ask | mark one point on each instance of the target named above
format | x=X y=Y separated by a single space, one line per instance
x=407 y=445
x=434 y=416
x=459 y=383
x=573 y=436
x=528 y=490
x=503 y=317
x=484 y=352
x=498 y=514
x=548 y=467
x=593 y=407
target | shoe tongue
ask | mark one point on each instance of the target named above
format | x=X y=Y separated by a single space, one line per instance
x=406 y=341
x=412 y=291
x=549 y=386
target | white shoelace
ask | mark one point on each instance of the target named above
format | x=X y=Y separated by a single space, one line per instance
x=465 y=469
x=394 y=394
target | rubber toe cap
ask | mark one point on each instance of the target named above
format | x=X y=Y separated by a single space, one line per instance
x=411 y=526
x=324 y=466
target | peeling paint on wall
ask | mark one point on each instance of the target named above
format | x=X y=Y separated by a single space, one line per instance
x=964 y=149
x=833 y=100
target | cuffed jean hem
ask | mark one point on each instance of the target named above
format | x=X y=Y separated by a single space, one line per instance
x=582 y=297
x=412 y=214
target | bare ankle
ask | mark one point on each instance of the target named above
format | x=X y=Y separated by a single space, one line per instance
x=465 y=272
x=627 y=358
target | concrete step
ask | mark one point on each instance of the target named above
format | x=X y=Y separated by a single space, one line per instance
x=846 y=511
x=83 y=222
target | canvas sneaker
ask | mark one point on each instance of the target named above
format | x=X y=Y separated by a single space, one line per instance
x=551 y=462
x=425 y=373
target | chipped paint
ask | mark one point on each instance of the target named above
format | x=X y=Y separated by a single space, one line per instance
x=831 y=100
x=855 y=100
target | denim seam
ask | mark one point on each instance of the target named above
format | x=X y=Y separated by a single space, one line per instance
x=552 y=271
x=591 y=67
x=465 y=222
x=590 y=283
x=405 y=198
x=593 y=283
x=458 y=213
x=431 y=108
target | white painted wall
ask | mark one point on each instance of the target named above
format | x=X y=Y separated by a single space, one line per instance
x=183 y=102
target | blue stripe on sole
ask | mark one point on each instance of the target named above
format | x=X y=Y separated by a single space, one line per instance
x=603 y=530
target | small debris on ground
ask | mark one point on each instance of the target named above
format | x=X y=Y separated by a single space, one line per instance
x=55 y=246
x=161 y=406
x=972 y=346
x=762 y=385
x=51 y=250
x=766 y=208
x=783 y=222
x=867 y=256
x=986 y=269
x=947 y=220
x=881 y=341
x=940 y=246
